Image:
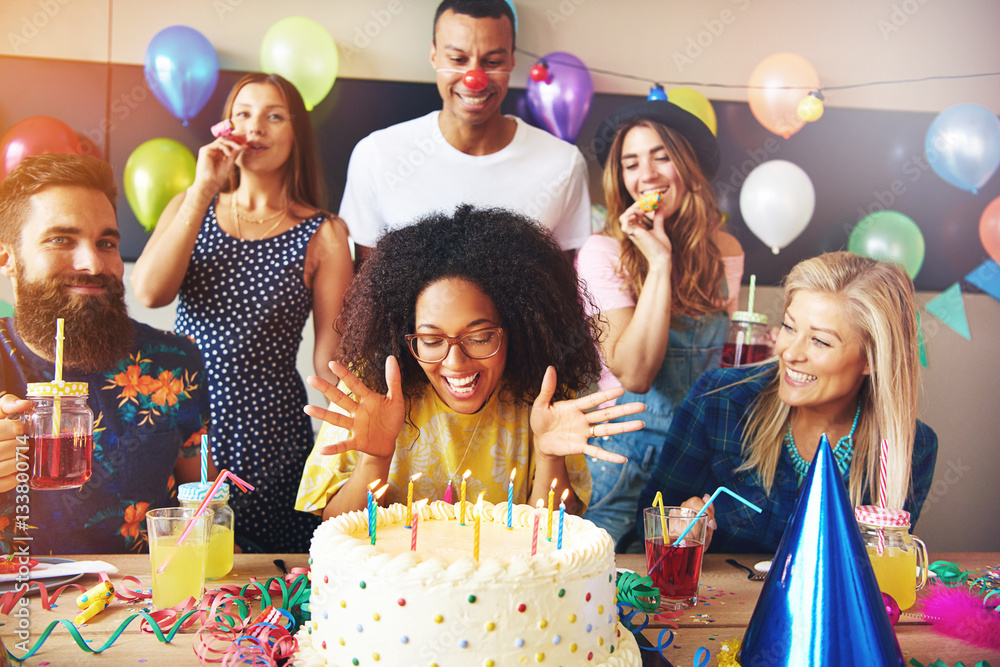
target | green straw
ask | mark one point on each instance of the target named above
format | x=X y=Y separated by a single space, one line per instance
x=753 y=286
x=702 y=511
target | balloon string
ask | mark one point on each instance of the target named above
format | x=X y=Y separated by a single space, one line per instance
x=743 y=86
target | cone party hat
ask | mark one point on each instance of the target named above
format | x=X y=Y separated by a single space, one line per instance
x=820 y=604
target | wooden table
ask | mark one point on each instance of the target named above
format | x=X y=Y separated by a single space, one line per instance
x=728 y=602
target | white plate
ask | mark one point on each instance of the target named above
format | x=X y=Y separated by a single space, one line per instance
x=763 y=566
x=50 y=583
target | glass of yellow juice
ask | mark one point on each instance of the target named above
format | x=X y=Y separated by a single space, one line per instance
x=178 y=569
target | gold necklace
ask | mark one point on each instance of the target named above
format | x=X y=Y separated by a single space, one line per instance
x=278 y=218
x=453 y=476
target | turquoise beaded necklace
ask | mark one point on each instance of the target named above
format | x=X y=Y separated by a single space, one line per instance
x=842 y=452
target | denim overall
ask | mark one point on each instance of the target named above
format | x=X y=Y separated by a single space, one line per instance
x=694 y=347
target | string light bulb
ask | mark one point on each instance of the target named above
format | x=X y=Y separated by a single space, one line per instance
x=811 y=107
x=656 y=92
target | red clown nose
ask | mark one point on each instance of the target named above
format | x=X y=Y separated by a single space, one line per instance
x=475 y=80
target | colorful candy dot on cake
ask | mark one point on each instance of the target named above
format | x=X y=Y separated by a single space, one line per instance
x=572 y=648
x=587 y=598
x=310 y=560
x=521 y=607
x=324 y=645
x=611 y=649
x=590 y=656
x=556 y=639
x=354 y=661
x=572 y=618
x=342 y=643
x=489 y=663
x=360 y=628
x=600 y=641
x=362 y=584
x=610 y=621
x=326 y=579
x=540 y=657
x=491 y=626
x=543 y=624
x=519 y=643
x=562 y=592
x=404 y=640
x=376 y=617
x=343 y=604
x=439 y=619
x=309 y=630
x=472 y=599
x=589 y=627
x=375 y=657
x=401 y=602
x=600 y=609
x=463 y=643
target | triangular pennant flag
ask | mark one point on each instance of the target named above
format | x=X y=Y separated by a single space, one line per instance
x=986 y=277
x=821 y=604
x=920 y=343
x=950 y=309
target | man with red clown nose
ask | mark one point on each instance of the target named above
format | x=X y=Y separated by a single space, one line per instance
x=468 y=152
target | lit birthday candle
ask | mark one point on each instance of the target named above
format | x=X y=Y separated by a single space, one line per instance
x=461 y=498
x=510 y=498
x=562 y=516
x=409 y=499
x=552 y=501
x=371 y=510
x=534 y=530
x=479 y=521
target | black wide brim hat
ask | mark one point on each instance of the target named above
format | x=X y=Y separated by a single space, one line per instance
x=704 y=143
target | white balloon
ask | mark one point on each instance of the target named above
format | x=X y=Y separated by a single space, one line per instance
x=777 y=201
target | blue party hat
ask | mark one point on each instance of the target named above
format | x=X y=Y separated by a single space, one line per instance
x=821 y=604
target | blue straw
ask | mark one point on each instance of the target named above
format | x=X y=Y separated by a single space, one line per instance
x=204 y=459
x=702 y=511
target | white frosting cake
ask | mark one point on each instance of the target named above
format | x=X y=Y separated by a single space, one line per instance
x=385 y=604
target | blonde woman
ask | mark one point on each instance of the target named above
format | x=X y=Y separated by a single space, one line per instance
x=664 y=281
x=847 y=367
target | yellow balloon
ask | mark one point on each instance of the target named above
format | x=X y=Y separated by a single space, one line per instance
x=156 y=171
x=303 y=52
x=694 y=102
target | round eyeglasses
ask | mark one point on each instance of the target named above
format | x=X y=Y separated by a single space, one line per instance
x=432 y=348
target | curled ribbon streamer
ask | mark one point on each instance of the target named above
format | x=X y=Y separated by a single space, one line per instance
x=942 y=663
x=949 y=574
x=701 y=657
x=637 y=591
x=625 y=616
x=130 y=595
x=225 y=615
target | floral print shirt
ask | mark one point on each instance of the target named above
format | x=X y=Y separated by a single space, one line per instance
x=148 y=410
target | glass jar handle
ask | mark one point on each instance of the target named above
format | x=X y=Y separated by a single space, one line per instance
x=922 y=560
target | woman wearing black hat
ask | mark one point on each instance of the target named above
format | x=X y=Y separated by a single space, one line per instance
x=664 y=276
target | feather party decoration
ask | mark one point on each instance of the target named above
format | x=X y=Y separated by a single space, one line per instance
x=958 y=613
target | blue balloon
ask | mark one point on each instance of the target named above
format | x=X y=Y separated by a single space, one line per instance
x=182 y=69
x=963 y=145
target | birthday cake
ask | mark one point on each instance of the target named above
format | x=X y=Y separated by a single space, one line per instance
x=391 y=604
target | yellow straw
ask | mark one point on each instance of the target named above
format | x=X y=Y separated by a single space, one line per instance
x=57 y=376
x=658 y=502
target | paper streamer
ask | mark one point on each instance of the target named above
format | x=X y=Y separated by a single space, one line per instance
x=949 y=574
x=942 y=663
x=638 y=592
x=225 y=615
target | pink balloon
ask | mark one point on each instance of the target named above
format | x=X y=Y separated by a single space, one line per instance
x=777 y=85
x=989 y=229
x=37 y=135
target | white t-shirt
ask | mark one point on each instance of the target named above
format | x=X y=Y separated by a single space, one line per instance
x=406 y=171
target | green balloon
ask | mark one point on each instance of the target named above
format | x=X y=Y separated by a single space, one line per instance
x=889 y=236
x=303 y=52
x=155 y=172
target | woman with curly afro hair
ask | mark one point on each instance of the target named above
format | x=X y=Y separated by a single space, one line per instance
x=464 y=342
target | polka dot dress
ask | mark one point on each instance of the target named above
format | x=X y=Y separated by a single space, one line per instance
x=245 y=304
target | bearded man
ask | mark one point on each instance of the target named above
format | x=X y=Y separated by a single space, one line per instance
x=59 y=247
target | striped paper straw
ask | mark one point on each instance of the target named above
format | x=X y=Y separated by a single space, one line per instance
x=204 y=459
x=883 y=469
x=57 y=376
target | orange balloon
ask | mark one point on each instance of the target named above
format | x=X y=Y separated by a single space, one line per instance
x=989 y=229
x=777 y=85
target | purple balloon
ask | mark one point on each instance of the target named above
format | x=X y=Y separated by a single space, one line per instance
x=561 y=104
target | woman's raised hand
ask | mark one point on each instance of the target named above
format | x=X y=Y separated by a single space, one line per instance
x=563 y=428
x=215 y=163
x=373 y=420
x=647 y=231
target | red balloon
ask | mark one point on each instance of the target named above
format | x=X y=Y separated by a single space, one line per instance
x=539 y=72
x=989 y=229
x=37 y=135
x=475 y=80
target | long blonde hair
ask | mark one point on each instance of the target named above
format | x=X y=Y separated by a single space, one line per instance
x=697 y=273
x=878 y=305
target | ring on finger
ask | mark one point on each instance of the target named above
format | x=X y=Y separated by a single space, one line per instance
x=593 y=433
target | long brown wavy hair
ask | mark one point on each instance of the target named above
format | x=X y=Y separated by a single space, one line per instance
x=697 y=273
x=303 y=177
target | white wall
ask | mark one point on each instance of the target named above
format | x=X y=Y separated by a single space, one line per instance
x=670 y=41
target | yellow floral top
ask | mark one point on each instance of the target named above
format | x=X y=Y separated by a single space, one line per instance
x=441 y=445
